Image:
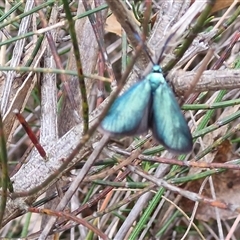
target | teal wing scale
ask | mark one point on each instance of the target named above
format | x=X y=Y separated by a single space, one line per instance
x=167 y=122
x=129 y=113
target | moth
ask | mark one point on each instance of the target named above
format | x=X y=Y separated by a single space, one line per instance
x=150 y=104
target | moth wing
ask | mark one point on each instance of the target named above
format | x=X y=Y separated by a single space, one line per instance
x=168 y=124
x=129 y=113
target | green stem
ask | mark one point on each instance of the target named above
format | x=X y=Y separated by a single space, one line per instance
x=76 y=51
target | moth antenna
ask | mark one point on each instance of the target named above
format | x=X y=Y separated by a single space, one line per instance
x=165 y=46
x=142 y=42
x=145 y=47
